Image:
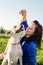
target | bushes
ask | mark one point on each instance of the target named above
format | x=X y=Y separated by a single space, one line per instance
x=2 y=30
x=40 y=57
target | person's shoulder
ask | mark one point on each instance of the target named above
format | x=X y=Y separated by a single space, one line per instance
x=32 y=43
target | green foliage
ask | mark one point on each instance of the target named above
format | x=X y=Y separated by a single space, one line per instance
x=3 y=43
x=39 y=57
x=2 y=30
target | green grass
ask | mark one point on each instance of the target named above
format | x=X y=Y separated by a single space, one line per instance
x=3 y=43
x=39 y=56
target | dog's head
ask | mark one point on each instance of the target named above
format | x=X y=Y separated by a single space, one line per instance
x=16 y=33
x=16 y=29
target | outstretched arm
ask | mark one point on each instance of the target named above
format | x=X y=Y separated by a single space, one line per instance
x=24 y=23
x=24 y=18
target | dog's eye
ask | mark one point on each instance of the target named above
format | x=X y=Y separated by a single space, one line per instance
x=17 y=31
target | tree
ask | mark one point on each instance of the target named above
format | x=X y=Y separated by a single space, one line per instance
x=2 y=30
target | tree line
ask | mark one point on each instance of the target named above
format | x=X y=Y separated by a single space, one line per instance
x=2 y=30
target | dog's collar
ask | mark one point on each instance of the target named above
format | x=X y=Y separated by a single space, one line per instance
x=16 y=44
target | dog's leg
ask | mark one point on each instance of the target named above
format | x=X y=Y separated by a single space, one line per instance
x=20 y=60
x=9 y=62
x=9 y=59
x=5 y=62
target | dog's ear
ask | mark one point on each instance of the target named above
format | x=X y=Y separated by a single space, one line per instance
x=9 y=32
x=15 y=26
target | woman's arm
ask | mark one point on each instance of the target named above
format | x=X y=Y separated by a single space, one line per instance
x=23 y=19
x=24 y=23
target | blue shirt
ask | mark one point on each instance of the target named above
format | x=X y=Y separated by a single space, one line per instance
x=29 y=49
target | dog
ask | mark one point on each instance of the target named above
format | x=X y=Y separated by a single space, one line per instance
x=14 y=52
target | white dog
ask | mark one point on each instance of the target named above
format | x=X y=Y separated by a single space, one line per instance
x=14 y=48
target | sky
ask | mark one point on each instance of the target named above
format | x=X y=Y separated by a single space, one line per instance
x=9 y=12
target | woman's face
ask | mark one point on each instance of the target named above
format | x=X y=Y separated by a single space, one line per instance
x=31 y=29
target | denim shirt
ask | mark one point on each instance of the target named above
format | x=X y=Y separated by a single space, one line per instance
x=29 y=49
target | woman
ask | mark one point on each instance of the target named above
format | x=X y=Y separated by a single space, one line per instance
x=31 y=40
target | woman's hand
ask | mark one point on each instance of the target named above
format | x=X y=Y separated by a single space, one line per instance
x=23 y=13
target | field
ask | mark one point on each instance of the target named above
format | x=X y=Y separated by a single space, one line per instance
x=3 y=43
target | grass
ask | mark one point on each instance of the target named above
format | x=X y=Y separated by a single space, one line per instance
x=39 y=56
x=3 y=43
